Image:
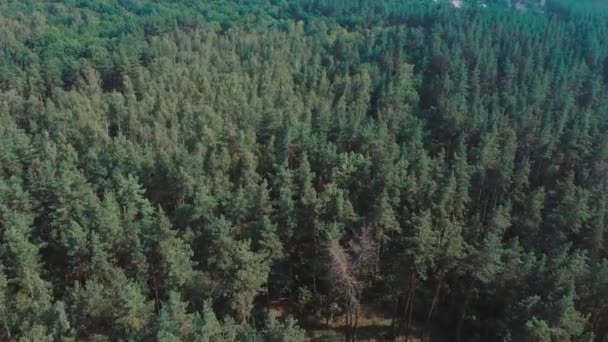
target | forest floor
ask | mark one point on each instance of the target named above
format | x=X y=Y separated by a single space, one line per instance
x=373 y=326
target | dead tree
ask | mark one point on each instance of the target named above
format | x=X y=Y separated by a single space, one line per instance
x=348 y=267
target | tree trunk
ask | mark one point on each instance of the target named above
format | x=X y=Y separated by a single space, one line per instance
x=463 y=313
x=436 y=292
x=156 y=295
x=409 y=317
x=355 y=325
x=409 y=307
x=378 y=252
x=314 y=264
x=8 y=331
x=347 y=326
x=394 y=318
x=539 y=168
x=268 y=301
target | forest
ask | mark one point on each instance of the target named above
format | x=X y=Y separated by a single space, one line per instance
x=304 y=170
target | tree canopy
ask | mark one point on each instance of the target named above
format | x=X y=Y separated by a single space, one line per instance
x=171 y=170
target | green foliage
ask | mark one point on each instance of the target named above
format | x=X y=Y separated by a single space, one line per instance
x=170 y=171
x=287 y=331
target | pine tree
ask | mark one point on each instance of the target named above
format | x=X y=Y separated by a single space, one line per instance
x=134 y=313
x=384 y=220
x=307 y=237
x=287 y=331
x=30 y=303
x=174 y=323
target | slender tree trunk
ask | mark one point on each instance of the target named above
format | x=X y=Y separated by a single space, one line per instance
x=394 y=318
x=409 y=307
x=407 y=301
x=408 y=328
x=8 y=331
x=268 y=301
x=452 y=309
x=480 y=190
x=539 y=168
x=156 y=295
x=347 y=326
x=314 y=265
x=356 y=324
x=463 y=313
x=409 y=314
x=483 y=213
x=378 y=251
x=436 y=292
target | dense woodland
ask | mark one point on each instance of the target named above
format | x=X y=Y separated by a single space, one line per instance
x=169 y=169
